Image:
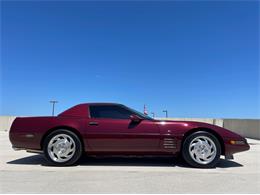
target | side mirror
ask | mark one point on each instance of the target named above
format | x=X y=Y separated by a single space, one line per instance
x=135 y=118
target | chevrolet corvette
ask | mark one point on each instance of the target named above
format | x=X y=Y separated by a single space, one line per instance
x=114 y=129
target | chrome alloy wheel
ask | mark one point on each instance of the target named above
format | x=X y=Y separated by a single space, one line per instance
x=61 y=148
x=202 y=150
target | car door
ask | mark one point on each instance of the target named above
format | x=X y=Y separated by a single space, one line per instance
x=110 y=129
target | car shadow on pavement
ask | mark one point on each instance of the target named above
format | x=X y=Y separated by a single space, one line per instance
x=122 y=161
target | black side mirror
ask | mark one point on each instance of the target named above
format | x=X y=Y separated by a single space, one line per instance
x=135 y=118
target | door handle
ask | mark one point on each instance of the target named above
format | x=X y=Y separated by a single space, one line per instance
x=93 y=123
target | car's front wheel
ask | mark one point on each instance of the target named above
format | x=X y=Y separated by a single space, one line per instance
x=62 y=147
x=201 y=149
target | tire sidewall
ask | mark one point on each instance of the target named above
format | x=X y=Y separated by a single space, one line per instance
x=186 y=155
x=78 y=145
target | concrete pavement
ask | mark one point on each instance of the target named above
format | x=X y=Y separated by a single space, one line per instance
x=22 y=172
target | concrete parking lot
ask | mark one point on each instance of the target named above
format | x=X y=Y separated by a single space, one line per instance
x=22 y=172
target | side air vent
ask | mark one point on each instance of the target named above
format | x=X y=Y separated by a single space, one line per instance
x=169 y=143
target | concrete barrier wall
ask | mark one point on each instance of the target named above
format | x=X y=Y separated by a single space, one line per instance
x=246 y=127
x=6 y=122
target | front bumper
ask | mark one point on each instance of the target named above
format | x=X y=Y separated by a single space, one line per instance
x=233 y=146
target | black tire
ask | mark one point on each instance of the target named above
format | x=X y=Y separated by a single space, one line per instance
x=78 y=148
x=188 y=157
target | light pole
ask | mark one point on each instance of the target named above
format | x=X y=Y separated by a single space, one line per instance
x=53 y=102
x=153 y=114
x=166 y=113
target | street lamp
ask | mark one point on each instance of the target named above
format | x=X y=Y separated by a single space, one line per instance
x=53 y=102
x=166 y=113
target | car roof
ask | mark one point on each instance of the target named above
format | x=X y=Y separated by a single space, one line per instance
x=101 y=103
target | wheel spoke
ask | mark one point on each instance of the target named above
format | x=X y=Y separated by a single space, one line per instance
x=193 y=145
x=192 y=152
x=200 y=141
x=68 y=143
x=51 y=145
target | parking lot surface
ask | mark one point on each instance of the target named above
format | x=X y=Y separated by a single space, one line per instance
x=22 y=172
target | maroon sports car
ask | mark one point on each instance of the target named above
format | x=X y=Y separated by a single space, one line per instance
x=114 y=129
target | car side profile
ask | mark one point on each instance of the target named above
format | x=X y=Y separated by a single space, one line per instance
x=114 y=129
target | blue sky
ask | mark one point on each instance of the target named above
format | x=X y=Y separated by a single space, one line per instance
x=195 y=59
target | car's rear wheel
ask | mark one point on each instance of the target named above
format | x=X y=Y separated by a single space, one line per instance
x=201 y=149
x=62 y=147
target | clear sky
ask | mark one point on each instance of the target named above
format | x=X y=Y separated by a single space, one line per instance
x=195 y=59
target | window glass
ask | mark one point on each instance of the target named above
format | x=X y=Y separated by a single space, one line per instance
x=113 y=112
x=139 y=113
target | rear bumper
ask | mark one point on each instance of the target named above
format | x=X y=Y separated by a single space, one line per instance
x=27 y=150
x=24 y=140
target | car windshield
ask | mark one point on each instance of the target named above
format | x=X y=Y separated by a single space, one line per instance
x=139 y=114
